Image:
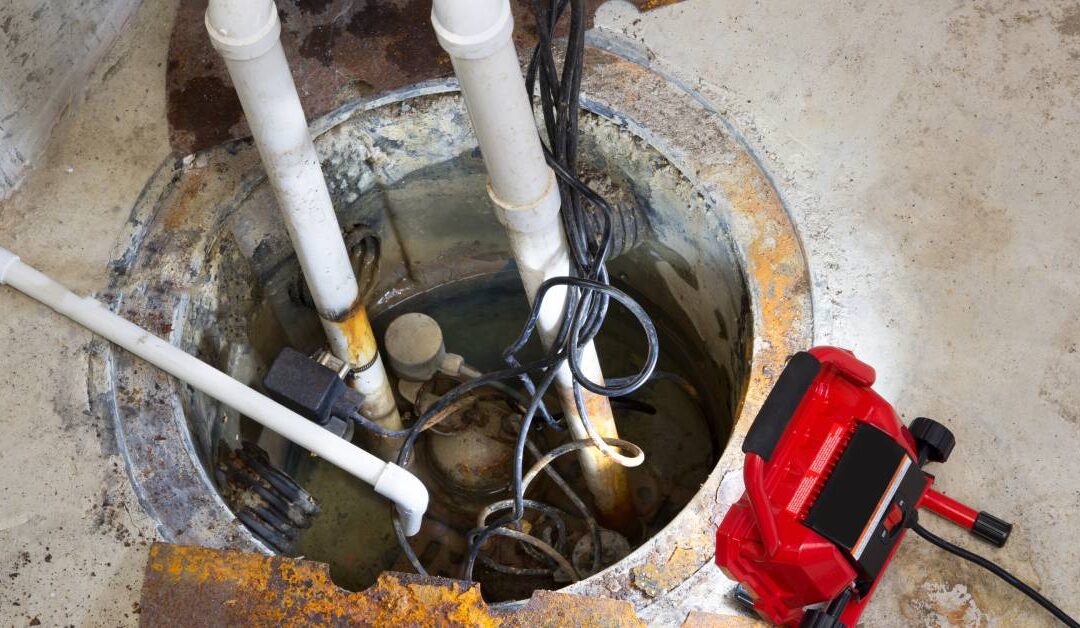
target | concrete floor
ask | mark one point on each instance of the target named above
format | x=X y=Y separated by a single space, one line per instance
x=926 y=151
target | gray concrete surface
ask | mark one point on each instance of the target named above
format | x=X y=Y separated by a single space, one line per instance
x=72 y=537
x=928 y=152
x=47 y=50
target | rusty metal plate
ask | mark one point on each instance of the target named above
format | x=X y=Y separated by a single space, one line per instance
x=339 y=50
x=196 y=586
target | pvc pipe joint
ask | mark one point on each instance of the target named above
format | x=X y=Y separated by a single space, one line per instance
x=247 y=34
x=7 y=261
x=540 y=215
x=472 y=29
x=477 y=35
x=239 y=33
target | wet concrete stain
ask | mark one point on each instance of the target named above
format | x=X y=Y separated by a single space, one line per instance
x=319 y=44
x=933 y=588
x=406 y=28
x=338 y=50
x=315 y=7
x=204 y=110
x=1069 y=24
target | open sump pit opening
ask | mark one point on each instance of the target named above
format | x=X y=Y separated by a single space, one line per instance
x=682 y=440
x=706 y=246
x=410 y=188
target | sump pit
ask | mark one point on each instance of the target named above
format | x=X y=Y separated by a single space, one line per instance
x=442 y=252
x=405 y=173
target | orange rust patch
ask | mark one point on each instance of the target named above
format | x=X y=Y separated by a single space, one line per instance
x=656 y=579
x=649 y=5
x=606 y=479
x=190 y=187
x=551 y=608
x=207 y=587
x=357 y=330
x=775 y=263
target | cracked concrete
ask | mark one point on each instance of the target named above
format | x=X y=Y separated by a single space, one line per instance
x=927 y=152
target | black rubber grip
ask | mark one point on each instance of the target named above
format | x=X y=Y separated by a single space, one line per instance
x=990 y=528
x=780 y=405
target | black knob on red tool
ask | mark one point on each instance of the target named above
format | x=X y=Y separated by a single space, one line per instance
x=935 y=442
x=818 y=618
x=990 y=528
x=828 y=617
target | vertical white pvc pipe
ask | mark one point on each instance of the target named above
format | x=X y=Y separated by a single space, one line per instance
x=477 y=35
x=247 y=34
x=389 y=480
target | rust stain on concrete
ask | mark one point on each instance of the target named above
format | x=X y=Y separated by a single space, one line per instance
x=186 y=199
x=699 y=619
x=338 y=50
x=774 y=262
x=655 y=579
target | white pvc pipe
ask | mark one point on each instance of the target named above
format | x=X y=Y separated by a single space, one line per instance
x=247 y=34
x=477 y=36
x=388 y=479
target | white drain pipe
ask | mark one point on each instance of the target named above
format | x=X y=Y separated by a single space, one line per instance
x=388 y=479
x=247 y=34
x=477 y=36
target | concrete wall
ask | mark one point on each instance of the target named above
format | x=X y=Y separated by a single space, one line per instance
x=47 y=50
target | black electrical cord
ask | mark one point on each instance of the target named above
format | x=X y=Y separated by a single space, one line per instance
x=997 y=571
x=372 y=426
x=588 y=289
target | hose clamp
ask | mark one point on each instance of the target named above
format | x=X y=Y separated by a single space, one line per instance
x=355 y=371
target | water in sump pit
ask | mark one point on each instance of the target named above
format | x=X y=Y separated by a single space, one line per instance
x=479 y=318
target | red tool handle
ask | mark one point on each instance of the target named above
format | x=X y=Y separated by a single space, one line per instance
x=944 y=506
x=754 y=478
x=981 y=524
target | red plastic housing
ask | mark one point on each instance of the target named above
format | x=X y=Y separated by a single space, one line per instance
x=782 y=563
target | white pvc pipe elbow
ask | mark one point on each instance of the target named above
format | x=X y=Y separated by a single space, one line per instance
x=389 y=480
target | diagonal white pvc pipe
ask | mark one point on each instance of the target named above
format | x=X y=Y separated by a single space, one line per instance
x=388 y=479
x=247 y=34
